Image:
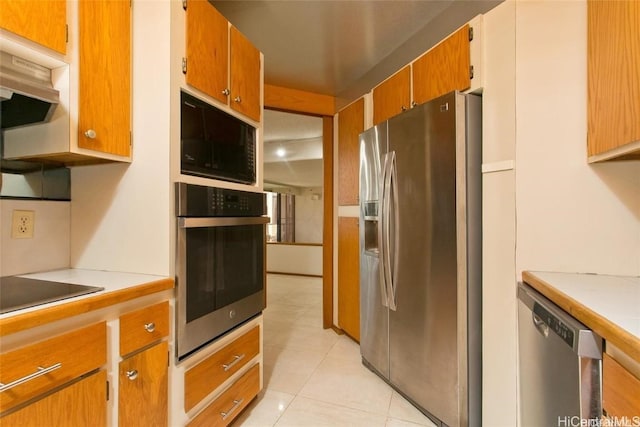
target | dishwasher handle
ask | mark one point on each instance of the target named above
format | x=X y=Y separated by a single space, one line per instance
x=542 y=327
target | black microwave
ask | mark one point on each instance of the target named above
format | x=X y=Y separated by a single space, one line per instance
x=214 y=144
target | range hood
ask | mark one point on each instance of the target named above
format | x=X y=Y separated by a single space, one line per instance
x=27 y=95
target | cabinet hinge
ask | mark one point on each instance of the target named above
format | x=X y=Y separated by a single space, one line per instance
x=66 y=31
x=184 y=4
x=470 y=33
x=184 y=65
x=471 y=72
x=168 y=358
x=107 y=391
x=130 y=139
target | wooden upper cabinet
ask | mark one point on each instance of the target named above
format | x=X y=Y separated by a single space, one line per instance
x=444 y=68
x=43 y=22
x=207 y=34
x=104 y=110
x=392 y=96
x=221 y=61
x=350 y=125
x=245 y=76
x=613 y=58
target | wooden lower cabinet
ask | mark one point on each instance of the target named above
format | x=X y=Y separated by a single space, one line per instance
x=209 y=374
x=223 y=410
x=349 y=276
x=83 y=403
x=143 y=388
x=620 y=390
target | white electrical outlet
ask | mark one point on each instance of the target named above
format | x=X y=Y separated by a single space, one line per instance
x=22 y=224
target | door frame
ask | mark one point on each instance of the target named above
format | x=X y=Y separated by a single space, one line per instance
x=323 y=106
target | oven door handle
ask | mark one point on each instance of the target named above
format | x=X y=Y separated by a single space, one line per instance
x=188 y=222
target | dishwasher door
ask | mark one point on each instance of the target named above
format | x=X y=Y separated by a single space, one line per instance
x=560 y=365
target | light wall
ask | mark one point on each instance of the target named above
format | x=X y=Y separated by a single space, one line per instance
x=49 y=247
x=545 y=207
x=121 y=214
x=572 y=216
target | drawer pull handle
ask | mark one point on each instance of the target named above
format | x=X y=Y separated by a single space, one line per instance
x=231 y=364
x=150 y=327
x=236 y=403
x=40 y=372
x=132 y=375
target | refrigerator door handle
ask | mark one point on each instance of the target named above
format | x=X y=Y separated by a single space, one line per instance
x=384 y=297
x=393 y=282
x=386 y=219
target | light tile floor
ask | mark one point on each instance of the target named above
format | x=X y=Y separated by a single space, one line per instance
x=314 y=377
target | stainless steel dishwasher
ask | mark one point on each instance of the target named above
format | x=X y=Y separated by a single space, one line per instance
x=560 y=365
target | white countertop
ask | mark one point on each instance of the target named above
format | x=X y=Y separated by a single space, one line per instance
x=609 y=305
x=111 y=281
x=616 y=298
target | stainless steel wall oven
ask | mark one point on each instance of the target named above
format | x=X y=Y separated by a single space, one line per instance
x=220 y=262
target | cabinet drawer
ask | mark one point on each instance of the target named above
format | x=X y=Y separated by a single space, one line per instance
x=143 y=327
x=209 y=374
x=87 y=397
x=230 y=403
x=50 y=363
x=620 y=390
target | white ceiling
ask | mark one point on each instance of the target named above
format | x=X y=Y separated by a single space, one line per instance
x=341 y=48
x=301 y=138
x=344 y=48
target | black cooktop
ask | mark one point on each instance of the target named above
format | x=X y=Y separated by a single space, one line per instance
x=21 y=292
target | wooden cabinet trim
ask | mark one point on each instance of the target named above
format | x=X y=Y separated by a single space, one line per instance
x=237 y=396
x=78 y=353
x=621 y=338
x=21 y=322
x=287 y=99
x=209 y=374
x=143 y=327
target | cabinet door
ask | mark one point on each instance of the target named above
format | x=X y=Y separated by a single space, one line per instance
x=349 y=277
x=44 y=22
x=104 y=118
x=392 y=96
x=143 y=398
x=245 y=76
x=444 y=68
x=613 y=76
x=350 y=125
x=207 y=33
x=83 y=403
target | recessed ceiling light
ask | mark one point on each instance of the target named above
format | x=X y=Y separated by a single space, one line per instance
x=280 y=152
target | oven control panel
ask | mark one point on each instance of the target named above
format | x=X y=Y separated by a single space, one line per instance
x=201 y=201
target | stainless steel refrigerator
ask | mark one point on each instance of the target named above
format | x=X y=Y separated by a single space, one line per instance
x=420 y=256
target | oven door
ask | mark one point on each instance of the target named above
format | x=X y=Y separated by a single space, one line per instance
x=220 y=272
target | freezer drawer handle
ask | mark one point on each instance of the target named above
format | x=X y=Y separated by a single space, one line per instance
x=40 y=372
x=231 y=364
x=540 y=325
